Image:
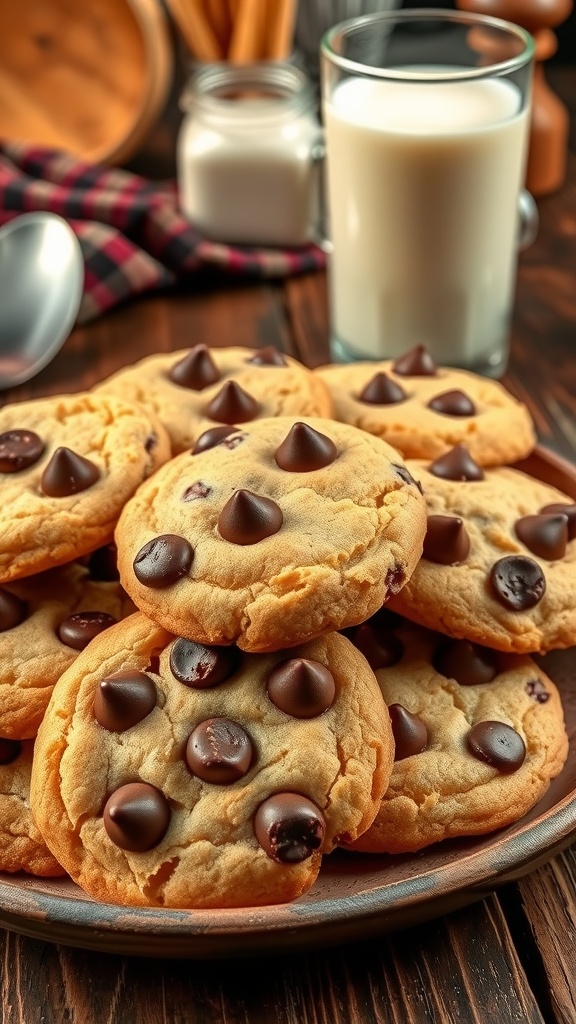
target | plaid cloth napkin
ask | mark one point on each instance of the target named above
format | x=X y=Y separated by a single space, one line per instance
x=132 y=235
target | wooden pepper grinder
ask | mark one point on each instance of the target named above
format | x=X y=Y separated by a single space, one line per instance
x=550 y=123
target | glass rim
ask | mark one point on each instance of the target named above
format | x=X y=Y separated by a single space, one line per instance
x=422 y=14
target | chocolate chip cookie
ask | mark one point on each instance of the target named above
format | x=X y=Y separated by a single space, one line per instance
x=169 y=773
x=478 y=736
x=271 y=534
x=67 y=466
x=424 y=410
x=45 y=620
x=499 y=562
x=198 y=388
x=22 y=847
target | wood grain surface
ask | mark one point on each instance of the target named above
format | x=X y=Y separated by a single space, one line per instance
x=507 y=959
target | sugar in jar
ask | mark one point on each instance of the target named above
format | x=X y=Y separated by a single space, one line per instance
x=247 y=154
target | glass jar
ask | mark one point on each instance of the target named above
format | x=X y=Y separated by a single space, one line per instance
x=247 y=154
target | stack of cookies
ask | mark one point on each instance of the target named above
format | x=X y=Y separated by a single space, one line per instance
x=261 y=706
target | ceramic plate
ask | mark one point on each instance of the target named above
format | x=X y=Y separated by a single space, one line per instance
x=355 y=895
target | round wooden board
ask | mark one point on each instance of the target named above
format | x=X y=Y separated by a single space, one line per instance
x=355 y=896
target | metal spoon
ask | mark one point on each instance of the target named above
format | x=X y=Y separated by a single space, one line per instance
x=41 y=278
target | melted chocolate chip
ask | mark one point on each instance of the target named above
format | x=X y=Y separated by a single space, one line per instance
x=544 y=535
x=453 y=403
x=381 y=650
x=566 y=510
x=268 y=356
x=9 y=750
x=78 y=630
x=103 y=564
x=457 y=464
x=154 y=662
x=19 y=449
x=232 y=405
x=407 y=477
x=416 y=363
x=394 y=579
x=382 y=390
x=200 y=666
x=446 y=541
x=289 y=827
x=196 y=490
x=497 y=744
x=151 y=443
x=136 y=817
x=410 y=733
x=163 y=561
x=124 y=699
x=210 y=438
x=13 y=611
x=219 y=751
x=196 y=370
x=305 y=449
x=535 y=688
x=518 y=582
x=68 y=473
x=248 y=518
x=301 y=687
x=469 y=664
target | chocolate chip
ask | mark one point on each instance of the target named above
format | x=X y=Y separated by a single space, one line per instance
x=136 y=817
x=407 y=477
x=535 y=688
x=453 y=403
x=382 y=390
x=416 y=363
x=219 y=751
x=469 y=664
x=394 y=579
x=446 y=541
x=124 y=699
x=301 y=687
x=9 y=750
x=13 y=611
x=289 y=827
x=200 y=666
x=103 y=564
x=163 y=561
x=196 y=490
x=68 y=473
x=196 y=370
x=268 y=356
x=457 y=464
x=566 y=510
x=153 y=662
x=210 y=438
x=498 y=744
x=518 y=582
x=151 y=443
x=248 y=518
x=232 y=405
x=545 y=535
x=410 y=733
x=381 y=650
x=19 y=449
x=78 y=630
x=305 y=449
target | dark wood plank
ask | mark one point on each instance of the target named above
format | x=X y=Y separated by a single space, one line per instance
x=463 y=968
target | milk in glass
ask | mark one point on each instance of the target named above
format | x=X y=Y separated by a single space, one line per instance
x=423 y=182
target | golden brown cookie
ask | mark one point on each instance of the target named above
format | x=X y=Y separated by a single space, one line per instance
x=171 y=774
x=45 y=620
x=275 y=534
x=195 y=389
x=499 y=561
x=22 y=848
x=68 y=464
x=478 y=736
x=424 y=410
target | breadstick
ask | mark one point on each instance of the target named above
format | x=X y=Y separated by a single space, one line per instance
x=280 y=30
x=196 y=29
x=244 y=43
x=218 y=14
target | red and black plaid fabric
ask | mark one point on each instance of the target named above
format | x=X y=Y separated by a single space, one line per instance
x=132 y=234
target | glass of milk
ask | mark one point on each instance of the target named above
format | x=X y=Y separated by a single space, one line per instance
x=426 y=117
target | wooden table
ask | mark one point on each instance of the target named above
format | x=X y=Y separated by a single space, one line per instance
x=507 y=959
